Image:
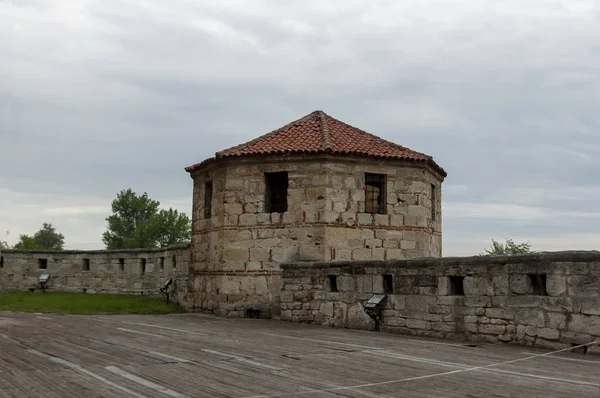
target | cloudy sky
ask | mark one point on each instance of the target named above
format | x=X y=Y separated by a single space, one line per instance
x=98 y=96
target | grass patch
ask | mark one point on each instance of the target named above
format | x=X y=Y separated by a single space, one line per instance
x=85 y=304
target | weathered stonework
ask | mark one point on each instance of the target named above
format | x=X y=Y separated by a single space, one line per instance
x=236 y=252
x=505 y=298
x=136 y=271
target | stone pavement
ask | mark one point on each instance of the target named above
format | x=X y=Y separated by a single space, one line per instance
x=192 y=355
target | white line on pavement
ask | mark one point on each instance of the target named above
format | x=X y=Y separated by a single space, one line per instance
x=78 y=368
x=144 y=382
x=242 y=359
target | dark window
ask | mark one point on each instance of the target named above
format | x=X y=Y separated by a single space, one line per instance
x=1 y=262
x=43 y=263
x=143 y=266
x=456 y=285
x=122 y=264
x=161 y=263
x=433 y=202
x=375 y=193
x=388 y=284
x=333 y=283
x=174 y=261
x=276 y=194
x=538 y=284
x=86 y=264
x=208 y=192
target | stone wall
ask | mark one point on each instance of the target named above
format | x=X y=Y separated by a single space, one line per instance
x=136 y=271
x=237 y=250
x=549 y=300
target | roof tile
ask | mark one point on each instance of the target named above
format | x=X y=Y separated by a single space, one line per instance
x=318 y=132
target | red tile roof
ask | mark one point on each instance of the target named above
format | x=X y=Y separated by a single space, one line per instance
x=318 y=132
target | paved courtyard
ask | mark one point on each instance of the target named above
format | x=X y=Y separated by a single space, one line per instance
x=192 y=355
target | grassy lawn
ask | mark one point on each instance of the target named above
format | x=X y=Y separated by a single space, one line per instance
x=85 y=304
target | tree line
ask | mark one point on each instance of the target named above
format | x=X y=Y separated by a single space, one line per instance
x=136 y=222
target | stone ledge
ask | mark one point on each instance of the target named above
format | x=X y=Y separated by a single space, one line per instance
x=536 y=258
x=99 y=251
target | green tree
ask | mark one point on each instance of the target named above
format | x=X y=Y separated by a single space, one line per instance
x=45 y=239
x=137 y=222
x=508 y=248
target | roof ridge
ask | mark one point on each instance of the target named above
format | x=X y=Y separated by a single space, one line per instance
x=326 y=140
x=267 y=135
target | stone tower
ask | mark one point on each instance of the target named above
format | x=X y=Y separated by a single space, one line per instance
x=314 y=189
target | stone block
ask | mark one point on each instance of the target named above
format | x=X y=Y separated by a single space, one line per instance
x=523 y=301
x=259 y=254
x=397 y=302
x=557 y=304
x=235 y=255
x=417 y=324
x=264 y=218
x=358 y=318
x=233 y=208
x=548 y=334
x=253 y=265
x=500 y=313
x=491 y=329
x=556 y=321
x=372 y=243
x=230 y=219
x=381 y=219
x=394 y=254
x=474 y=285
x=361 y=254
x=500 y=284
x=444 y=288
x=530 y=317
x=588 y=324
x=408 y=244
x=378 y=254
x=248 y=219
x=396 y=220
x=283 y=254
x=346 y=283
x=556 y=285
x=365 y=219
x=418 y=303
x=343 y=254
x=519 y=284
x=590 y=306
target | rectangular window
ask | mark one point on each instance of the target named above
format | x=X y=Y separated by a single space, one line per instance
x=174 y=261
x=142 y=266
x=388 y=284
x=433 y=202
x=161 y=263
x=122 y=264
x=86 y=264
x=332 y=279
x=208 y=193
x=276 y=193
x=538 y=284
x=457 y=285
x=43 y=263
x=1 y=262
x=375 y=193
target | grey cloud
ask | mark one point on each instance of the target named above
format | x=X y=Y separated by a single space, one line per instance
x=100 y=96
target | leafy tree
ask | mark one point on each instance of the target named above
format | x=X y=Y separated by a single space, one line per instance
x=45 y=239
x=509 y=248
x=137 y=222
